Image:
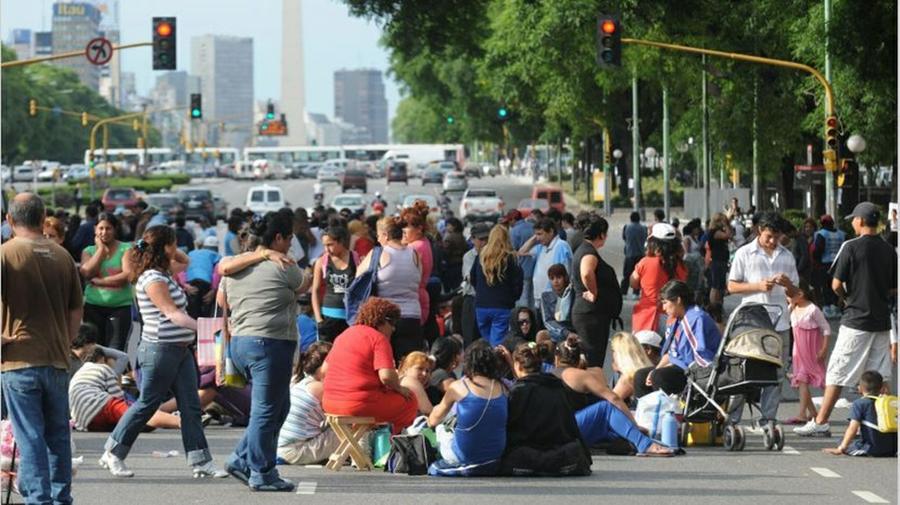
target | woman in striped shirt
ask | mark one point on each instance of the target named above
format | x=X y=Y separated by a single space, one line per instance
x=165 y=354
x=304 y=438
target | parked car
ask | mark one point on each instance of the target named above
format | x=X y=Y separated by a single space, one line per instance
x=167 y=204
x=220 y=207
x=432 y=175
x=329 y=173
x=353 y=179
x=77 y=173
x=526 y=205
x=114 y=198
x=455 y=181
x=481 y=204
x=448 y=166
x=356 y=202
x=197 y=202
x=23 y=173
x=397 y=172
x=551 y=194
x=265 y=198
x=472 y=171
x=310 y=171
x=50 y=173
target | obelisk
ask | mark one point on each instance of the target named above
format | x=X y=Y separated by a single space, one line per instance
x=293 y=90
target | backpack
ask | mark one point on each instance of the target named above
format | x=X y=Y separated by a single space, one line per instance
x=362 y=287
x=886 y=412
x=410 y=454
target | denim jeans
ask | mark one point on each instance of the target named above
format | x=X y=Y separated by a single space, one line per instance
x=38 y=402
x=266 y=363
x=493 y=324
x=603 y=421
x=164 y=368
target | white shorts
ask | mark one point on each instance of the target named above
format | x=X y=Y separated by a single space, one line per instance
x=855 y=352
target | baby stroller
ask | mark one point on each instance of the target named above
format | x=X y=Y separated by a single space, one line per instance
x=747 y=360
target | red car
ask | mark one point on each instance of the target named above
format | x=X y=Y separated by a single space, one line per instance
x=119 y=197
x=526 y=205
x=552 y=195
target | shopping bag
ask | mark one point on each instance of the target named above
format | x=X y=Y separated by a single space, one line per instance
x=207 y=327
x=227 y=373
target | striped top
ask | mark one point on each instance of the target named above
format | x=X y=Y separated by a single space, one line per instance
x=157 y=328
x=89 y=390
x=306 y=417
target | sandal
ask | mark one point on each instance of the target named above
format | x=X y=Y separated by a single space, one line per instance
x=661 y=452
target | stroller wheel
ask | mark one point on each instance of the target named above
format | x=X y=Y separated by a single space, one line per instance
x=779 y=437
x=741 y=438
x=768 y=438
x=729 y=438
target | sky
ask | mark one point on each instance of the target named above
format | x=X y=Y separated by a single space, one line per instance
x=332 y=40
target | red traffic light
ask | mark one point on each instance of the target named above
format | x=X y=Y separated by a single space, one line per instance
x=608 y=26
x=831 y=122
x=164 y=29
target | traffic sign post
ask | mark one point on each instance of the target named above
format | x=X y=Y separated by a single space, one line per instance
x=99 y=51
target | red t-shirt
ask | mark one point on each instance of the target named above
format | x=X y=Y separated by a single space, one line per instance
x=353 y=363
x=363 y=246
x=653 y=277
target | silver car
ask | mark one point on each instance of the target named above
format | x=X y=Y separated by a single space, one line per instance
x=329 y=173
x=455 y=181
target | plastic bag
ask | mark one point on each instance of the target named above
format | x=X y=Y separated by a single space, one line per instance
x=650 y=410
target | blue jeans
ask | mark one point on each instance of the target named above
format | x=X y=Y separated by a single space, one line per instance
x=165 y=368
x=266 y=363
x=603 y=421
x=493 y=324
x=38 y=402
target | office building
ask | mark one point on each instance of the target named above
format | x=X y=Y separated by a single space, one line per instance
x=359 y=100
x=21 y=41
x=43 y=44
x=224 y=65
x=74 y=25
x=321 y=131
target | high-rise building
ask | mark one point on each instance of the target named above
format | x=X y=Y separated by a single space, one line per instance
x=292 y=82
x=43 y=43
x=74 y=25
x=359 y=100
x=172 y=91
x=20 y=40
x=224 y=65
x=322 y=131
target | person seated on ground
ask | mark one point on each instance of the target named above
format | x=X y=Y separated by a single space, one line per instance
x=692 y=337
x=226 y=405
x=306 y=323
x=864 y=422
x=199 y=281
x=556 y=304
x=96 y=399
x=628 y=356
x=542 y=436
x=305 y=438
x=601 y=415
x=523 y=328
x=480 y=402
x=446 y=353
x=361 y=378
x=86 y=342
x=414 y=372
x=651 y=343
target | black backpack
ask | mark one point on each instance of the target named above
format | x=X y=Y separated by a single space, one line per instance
x=410 y=454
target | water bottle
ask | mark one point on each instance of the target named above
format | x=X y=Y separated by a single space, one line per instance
x=669 y=430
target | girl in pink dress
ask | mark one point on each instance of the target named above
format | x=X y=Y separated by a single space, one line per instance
x=811 y=332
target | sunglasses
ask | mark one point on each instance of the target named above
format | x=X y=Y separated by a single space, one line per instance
x=391 y=321
x=523 y=322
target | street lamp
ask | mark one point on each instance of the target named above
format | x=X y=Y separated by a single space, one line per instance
x=650 y=157
x=857 y=144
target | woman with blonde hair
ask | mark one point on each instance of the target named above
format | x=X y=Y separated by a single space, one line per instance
x=414 y=372
x=497 y=279
x=628 y=356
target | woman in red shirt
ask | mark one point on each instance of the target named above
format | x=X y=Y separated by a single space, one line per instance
x=662 y=264
x=361 y=379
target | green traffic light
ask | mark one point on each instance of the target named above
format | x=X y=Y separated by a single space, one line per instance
x=195 y=112
x=450 y=120
x=270 y=115
x=502 y=112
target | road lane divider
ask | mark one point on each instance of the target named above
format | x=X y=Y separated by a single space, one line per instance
x=870 y=497
x=824 y=472
x=306 y=487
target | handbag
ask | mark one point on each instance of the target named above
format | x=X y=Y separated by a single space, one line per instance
x=410 y=454
x=227 y=373
x=207 y=327
x=362 y=287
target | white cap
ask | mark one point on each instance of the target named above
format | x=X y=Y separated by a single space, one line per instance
x=649 y=337
x=211 y=242
x=663 y=231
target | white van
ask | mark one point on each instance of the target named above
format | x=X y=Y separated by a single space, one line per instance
x=265 y=198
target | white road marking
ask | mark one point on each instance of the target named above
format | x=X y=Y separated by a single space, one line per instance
x=313 y=466
x=306 y=488
x=824 y=472
x=790 y=450
x=870 y=497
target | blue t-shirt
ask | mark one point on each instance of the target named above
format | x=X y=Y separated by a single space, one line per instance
x=694 y=337
x=203 y=262
x=871 y=442
x=518 y=235
x=229 y=239
x=308 y=331
x=158 y=219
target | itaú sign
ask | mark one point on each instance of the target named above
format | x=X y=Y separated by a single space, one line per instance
x=69 y=10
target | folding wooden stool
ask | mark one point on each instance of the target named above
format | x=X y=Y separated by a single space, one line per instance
x=350 y=431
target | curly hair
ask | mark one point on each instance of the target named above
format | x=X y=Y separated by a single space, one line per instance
x=377 y=311
x=149 y=253
x=482 y=359
x=416 y=215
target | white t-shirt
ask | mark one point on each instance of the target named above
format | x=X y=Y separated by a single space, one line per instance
x=752 y=264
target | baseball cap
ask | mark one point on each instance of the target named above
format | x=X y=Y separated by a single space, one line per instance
x=480 y=230
x=663 y=231
x=865 y=210
x=513 y=215
x=210 y=242
x=826 y=219
x=649 y=337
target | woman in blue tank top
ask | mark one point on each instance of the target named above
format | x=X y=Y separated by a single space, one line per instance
x=481 y=411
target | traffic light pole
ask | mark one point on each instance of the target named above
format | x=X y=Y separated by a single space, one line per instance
x=71 y=54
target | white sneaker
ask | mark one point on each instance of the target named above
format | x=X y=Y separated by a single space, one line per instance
x=115 y=465
x=208 y=470
x=842 y=403
x=812 y=429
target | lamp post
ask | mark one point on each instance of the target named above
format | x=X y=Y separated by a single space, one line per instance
x=617 y=155
x=857 y=144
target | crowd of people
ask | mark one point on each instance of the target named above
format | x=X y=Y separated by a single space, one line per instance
x=498 y=340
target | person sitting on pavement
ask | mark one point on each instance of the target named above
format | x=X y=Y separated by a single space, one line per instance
x=446 y=354
x=629 y=356
x=480 y=402
x=96 y=399
x=305 y=438
x=199 y=278
x=692 y=337
x=306 y=324
x=601 y=415
x=523 y=327
x=556 y=305
x=361 y=378
x=651 y=342
x=862 y=437
x=414 y=372
x=86 y=342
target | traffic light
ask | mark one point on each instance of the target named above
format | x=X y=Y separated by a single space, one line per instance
x=609 y=41
x=502 y=113
x=84 y=119
x=196 y=106
x=270 y=111
x=32 y=107
x=450 y=119
x=831 y=132
x=163 y=43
